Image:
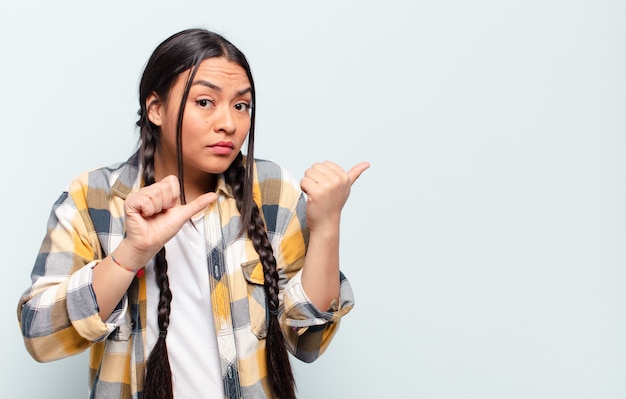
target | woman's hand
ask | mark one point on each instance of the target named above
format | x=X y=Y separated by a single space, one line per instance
x=154 y=215
x=327 y=187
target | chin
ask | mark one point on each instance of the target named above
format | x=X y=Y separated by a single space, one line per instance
x=217 y=168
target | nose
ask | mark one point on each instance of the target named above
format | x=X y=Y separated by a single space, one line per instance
x=226 y=121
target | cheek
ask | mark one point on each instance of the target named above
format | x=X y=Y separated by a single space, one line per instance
x=196 y=127
x=244 y=130
x=244 y=125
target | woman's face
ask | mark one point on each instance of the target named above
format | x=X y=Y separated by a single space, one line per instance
x=216 y=121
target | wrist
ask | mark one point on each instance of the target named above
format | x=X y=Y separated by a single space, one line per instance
x=121 y=265
x=128 y=258
x=328 y=230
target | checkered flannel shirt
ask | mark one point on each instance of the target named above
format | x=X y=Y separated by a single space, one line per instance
x=58 y=314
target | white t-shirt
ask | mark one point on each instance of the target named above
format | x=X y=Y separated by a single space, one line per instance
x=191 y=339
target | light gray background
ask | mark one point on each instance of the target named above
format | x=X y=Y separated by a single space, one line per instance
x=486 y=243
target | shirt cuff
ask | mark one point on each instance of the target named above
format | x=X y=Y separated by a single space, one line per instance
x=83 y=309
x=300 y=312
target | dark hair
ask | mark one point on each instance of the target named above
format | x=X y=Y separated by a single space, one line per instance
x=181 y=52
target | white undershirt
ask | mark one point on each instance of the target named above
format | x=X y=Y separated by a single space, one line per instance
x=191 y=339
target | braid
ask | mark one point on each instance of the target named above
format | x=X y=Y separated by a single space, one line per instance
x=158 y=382
x=277 y=359
x=149 y=139
x=158 y=379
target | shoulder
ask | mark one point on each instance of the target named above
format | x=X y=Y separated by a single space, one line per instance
x=275 y=184
x=119 y=177
x=271 y=172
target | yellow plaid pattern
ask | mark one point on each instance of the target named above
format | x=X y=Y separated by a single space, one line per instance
x=58 y=313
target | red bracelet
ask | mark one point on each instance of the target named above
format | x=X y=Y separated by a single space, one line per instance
x=138 y=272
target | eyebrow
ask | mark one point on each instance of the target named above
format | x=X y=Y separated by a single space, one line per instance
x=217 y=88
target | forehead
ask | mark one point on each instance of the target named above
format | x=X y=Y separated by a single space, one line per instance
x=221 y=71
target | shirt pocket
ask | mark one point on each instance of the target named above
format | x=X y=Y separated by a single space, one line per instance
x=257 y=303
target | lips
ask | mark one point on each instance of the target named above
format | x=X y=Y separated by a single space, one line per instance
x=222 y=147
x=226 y=144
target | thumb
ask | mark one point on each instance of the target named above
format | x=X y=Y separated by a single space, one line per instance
x=198 y=204
x=356 y=171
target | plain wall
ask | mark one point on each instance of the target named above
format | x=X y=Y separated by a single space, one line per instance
x=486 y=244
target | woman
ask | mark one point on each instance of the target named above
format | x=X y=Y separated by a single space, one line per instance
x=191 y=251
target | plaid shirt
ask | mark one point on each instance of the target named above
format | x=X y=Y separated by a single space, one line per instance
x=58 y=314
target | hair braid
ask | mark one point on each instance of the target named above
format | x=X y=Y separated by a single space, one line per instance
x=149 y=136
x=279 y=370
x=158 y=379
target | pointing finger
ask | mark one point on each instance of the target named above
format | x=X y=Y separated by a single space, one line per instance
x=199 y=204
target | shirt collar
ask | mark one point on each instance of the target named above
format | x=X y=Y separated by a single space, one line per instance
x=222 y=188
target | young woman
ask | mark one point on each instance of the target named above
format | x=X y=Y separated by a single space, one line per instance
x=183 y=269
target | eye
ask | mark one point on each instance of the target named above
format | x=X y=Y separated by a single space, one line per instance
x=243 y=107
x=204 y=103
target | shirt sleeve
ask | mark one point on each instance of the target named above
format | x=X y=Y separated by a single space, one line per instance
x=307 y=329
x=300 y=313
x=58 y=313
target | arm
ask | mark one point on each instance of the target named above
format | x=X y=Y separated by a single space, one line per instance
x=73 y=292
x=327 y=187
x=309 y=327
x=153 y=215
x=61 y=295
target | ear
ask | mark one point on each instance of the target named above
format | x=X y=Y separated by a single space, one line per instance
x=154 y=106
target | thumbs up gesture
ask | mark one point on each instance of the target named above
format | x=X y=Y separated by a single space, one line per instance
x=327 y=187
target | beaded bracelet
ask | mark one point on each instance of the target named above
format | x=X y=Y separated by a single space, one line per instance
x=138 y=272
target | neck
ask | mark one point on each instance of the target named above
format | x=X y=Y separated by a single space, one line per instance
x=195 y=186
